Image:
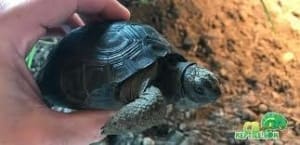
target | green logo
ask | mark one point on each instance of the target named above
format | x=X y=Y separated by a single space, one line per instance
x=271 y=123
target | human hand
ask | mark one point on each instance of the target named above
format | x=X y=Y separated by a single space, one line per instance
x=24 y=119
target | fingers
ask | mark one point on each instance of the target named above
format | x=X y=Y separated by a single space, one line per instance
x=106 y=9
x=26 y=20
x=75 y=20
x=86 y=125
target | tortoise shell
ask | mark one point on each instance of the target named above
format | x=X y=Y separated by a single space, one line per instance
x=100 y=55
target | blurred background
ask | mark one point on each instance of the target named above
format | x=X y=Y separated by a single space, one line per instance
x=254 y=48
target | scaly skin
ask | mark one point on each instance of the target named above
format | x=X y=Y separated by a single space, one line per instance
x=200 y=85
x=146 y=111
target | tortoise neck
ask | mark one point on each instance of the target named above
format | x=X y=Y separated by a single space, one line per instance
x=170 y=80
x=181 y=67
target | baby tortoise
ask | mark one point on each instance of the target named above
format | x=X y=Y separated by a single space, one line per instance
x=126 y=66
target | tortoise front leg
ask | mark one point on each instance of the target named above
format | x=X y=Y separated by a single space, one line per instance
x=145 y=112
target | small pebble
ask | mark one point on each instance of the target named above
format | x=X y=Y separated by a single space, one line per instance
x=288 y=56
x=67 y=110
x=176 y=136
x=223 y=72
x=181 y=115
x=186 y=141
x=187 y=43
x=263 y=108
x=182 y=126
x=138 y=139
x=290 y=103
x=195 y=131
x=231 y=141
x=222 y=139
x=193 y=111
x=278 y=142
x=297 y=129
x=201 y=141
x=188 y=115
x=210 y=123
x=252 y=100
x=57 y=108
x=148 y=141
x=169 y=110
x=236 y=120
x=249 y=115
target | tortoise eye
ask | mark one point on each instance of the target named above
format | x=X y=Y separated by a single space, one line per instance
x=200 y=90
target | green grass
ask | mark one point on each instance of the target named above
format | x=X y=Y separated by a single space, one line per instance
x=32 y=54
x=29 y=58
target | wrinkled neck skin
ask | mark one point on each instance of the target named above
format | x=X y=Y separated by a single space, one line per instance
x=171 y=81
x=182 y=100
x=181 y=68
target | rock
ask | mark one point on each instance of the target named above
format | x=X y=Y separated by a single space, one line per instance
x=231 y=141
x=223 y=72
x=187 y=43
x=148 y=141
x=252 y=100
x=248 y=115
x=290 y=103
x=67 y=110
x=169 y=110
x=278 y=142
x=187 y=115
x=204 y=49
x=195 y=132
x=175 y=137
x=139 y=139
x=252 y=82
x=201 y=141
x=182 y=126
x=181 y=115
x=297 y=129
x=222 y=139
x=236 y=120
x=193 y=111
x=190 y=114
x=57 y=108
x=62 y=109
x=263 y=108
x=287 y=57
x=186 y=141
x=210 y=123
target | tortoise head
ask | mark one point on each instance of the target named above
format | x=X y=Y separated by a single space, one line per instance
x=199 y=85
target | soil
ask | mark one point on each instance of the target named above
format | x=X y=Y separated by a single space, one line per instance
x=257 y=61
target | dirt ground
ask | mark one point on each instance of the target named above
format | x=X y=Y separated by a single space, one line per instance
x=258 y=63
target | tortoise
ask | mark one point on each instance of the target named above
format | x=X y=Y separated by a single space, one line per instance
x=128 y=67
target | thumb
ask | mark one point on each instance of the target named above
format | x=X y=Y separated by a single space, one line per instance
x=85 y=126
